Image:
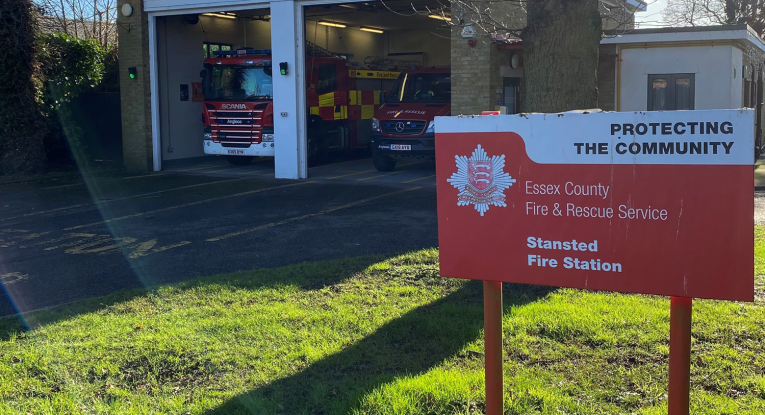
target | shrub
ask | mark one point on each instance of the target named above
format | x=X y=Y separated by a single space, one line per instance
x=69 y=67
x=22 y=128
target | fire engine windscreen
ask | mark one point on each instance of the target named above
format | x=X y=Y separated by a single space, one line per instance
x=422 y=87
x=239 y=83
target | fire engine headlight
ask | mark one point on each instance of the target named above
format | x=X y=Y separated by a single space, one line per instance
x=431 y=127
x=375 y=125
x=208 y=136
x=268 y=137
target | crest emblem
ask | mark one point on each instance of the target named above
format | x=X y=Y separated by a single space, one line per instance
x=480 y=180
x=400 y=127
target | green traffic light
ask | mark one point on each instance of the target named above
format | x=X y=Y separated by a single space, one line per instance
x=132 y=76
x=283 y=72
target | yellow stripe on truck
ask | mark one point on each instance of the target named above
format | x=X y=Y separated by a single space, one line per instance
x=342 y=113
x=355 y=97
x=363 y=74
x=367 y=112
x=327 y=100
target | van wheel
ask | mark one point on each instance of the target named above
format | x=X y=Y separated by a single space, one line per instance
x=383 y=162
x=240 y=160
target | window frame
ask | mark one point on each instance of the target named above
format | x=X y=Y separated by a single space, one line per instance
x=324 y=84
x=206 y=48
x=515 y=83
x=671 y=98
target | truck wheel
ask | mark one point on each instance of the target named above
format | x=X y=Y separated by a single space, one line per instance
x=383 y=162
x=317 y=152
x=317 y=148
x=240 y=160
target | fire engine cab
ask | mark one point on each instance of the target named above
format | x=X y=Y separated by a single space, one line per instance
x=238 y=104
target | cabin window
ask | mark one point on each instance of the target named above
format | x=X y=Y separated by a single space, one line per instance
x=327 y=78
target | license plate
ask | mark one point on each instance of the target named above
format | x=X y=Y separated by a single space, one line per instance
x=236 y=152
x=404 y=147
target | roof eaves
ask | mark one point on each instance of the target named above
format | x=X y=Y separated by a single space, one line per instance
x=740 y=33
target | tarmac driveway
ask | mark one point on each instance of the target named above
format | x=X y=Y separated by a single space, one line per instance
x=71 y=239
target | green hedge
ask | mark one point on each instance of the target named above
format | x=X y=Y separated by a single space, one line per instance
x=40 y=73
x=22 y=128
x=69 y=66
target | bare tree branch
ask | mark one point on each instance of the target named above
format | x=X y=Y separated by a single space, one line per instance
x=716 y=12
x=89 y=19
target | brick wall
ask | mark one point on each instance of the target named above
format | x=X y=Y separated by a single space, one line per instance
x=499 y=58
x=135 y=96
x=476 y=70
x=477 y=74
x=471 y=74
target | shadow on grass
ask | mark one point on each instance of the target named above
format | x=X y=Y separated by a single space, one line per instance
x=409 y=345
x=306 y=275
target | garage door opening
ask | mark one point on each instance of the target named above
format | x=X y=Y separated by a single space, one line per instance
x=377 y=73
x=210 y=92
x=367 y=68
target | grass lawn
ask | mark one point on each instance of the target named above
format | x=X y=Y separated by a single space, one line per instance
x=759 y=173
x=372 y=335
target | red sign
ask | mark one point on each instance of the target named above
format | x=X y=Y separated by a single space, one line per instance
x=651 y=202
x=196 y=92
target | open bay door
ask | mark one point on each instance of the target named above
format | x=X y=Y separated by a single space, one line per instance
x=355 y=54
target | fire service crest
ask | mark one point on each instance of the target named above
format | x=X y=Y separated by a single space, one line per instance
x=480 y=180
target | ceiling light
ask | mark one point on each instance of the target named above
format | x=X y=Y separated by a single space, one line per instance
x=333 y=24
x=370 y=29
x=223 y=15
x=349 y=6
x=440 y=17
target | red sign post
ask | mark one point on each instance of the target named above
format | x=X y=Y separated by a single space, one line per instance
x=650 y=202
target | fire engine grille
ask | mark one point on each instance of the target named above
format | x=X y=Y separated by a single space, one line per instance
x=403 y=127
x=236 y=127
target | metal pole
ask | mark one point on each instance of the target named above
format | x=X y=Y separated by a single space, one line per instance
x=492 y=316
x=680 y=311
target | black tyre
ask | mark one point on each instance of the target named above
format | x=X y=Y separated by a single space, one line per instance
x=383 y=162
x=239 y=160
x=317 y=148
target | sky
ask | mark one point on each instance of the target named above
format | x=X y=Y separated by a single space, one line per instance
x=653 y=16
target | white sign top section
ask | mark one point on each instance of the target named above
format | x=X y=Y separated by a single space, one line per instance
x=723 y=137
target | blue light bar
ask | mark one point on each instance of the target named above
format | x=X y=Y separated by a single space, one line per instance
x=242 y=52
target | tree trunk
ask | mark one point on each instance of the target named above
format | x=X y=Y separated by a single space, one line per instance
x=730 y=11
x=560 y=54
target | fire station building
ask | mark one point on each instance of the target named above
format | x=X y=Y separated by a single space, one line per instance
x=163 y=44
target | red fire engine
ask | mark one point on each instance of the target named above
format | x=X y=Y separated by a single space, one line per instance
x=238 y=109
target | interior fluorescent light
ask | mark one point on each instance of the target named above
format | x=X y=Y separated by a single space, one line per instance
x=223 y=15
x=440 y=17
x=371 y=29
x=333 y=24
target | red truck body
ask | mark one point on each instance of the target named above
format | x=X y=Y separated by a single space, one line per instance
x=238 y=106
